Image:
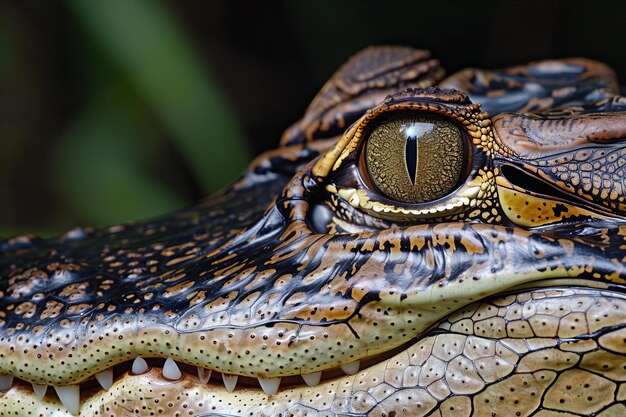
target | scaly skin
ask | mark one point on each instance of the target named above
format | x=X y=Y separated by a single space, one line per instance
x=504 y=297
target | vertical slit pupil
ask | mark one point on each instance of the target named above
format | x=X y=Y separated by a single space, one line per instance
x=411 y=157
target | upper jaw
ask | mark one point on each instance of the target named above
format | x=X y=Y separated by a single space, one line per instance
x=260 y=312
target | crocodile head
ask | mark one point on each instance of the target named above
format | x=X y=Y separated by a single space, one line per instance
x=407 y=250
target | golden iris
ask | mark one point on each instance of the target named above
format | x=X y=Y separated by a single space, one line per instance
x=414 y=157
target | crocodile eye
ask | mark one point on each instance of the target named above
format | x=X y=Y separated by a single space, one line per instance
x=414 y=157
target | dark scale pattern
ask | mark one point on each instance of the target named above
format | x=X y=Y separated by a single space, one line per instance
x=456 y=306
x=362 y=82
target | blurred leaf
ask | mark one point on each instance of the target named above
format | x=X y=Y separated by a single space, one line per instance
x=4 y=54
x=147 y=44
x=102 y=163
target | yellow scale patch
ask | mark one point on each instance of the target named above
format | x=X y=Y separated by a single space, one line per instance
x=530 y=211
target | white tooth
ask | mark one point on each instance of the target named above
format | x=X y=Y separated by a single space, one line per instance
x=170 y=370
x=230 y=382
x=40 y=391
x=5 y=382
x=312 y=380
x=351 y=368
x=69 y=396
x=105 y=378
x=204 y=375
x=269 y=385
x=140 y=366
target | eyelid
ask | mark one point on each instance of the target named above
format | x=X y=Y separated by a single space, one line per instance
x=340 y=168
x=467 y=115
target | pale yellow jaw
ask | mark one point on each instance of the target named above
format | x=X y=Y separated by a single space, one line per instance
x=557 y=348
x=151 y=393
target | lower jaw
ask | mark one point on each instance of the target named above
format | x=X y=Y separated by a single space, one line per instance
x=151 y=394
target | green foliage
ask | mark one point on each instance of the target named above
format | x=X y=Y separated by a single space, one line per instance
x=146 y=44
x=103 y=165
x=153 y=121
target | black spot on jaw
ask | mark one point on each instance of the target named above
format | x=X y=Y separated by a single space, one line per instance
x=411 y=157
x=559 y=209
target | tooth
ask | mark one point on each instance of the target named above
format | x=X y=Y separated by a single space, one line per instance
x=204 y=375
x=351 y=368
x=230 y=382
x=269 y=385
x=69 y=396
x=313 y=379
x=5 y=382
x=40 y=390
x=140 y=366
x=170 y=370
x=105 y=378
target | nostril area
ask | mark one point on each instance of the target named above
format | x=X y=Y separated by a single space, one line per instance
x=517 y=177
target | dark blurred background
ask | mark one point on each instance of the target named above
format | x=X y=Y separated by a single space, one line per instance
x=118 y=110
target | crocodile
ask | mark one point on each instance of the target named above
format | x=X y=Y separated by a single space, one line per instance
x=417 y=245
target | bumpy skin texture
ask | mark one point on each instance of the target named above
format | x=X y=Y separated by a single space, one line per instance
x=506 y=297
